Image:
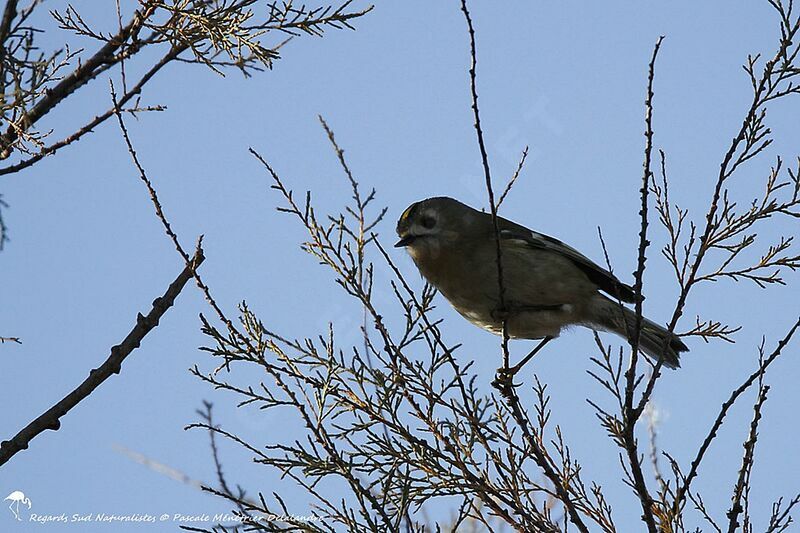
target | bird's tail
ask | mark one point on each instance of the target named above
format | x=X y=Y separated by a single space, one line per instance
x=654 y=341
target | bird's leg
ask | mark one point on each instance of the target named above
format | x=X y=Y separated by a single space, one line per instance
x=516 y=368
x=503 y=380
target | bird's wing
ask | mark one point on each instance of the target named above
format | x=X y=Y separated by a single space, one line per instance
x=605 y=280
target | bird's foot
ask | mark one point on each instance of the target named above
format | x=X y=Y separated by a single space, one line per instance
x=504 y=380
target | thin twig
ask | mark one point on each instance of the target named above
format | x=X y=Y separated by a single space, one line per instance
x=505 y=386
x=488 y=178
x=158 y=467
x=513 y=179
x=630 y=416
x=748 y=458
x=165 y=222
x=680 y=493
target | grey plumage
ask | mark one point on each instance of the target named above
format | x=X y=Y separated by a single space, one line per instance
x=548 y=285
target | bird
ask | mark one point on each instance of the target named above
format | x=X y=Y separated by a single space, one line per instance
x=548 y=286
x=16 y=498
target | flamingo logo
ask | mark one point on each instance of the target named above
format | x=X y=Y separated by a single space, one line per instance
x=17 y=497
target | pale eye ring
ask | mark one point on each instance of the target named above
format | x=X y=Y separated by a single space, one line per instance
x=428 y=222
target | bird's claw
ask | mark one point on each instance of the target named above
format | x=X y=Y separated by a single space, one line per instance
x=504 y=380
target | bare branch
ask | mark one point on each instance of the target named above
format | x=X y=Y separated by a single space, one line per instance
x=51 y=419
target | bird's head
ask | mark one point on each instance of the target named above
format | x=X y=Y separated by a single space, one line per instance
x=427 y=226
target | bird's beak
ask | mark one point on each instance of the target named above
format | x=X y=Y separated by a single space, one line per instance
x=405 y=241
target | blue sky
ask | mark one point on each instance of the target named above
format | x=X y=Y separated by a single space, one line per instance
x=567 y=79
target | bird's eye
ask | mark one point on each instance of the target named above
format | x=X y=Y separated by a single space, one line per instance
x=428 y=222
